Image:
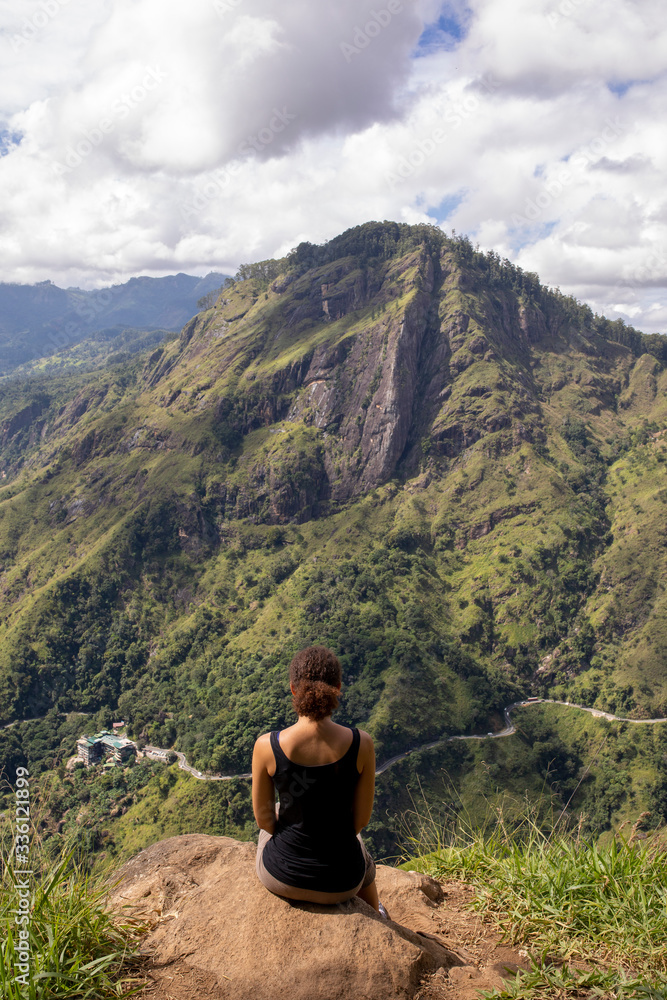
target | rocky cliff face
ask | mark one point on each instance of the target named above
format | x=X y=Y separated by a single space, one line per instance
x=361 y=393
x=385 y=364
x=375 y=362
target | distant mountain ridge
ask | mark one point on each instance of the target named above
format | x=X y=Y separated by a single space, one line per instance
x=37 y=320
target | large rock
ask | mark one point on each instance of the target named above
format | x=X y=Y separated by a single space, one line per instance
x=208 y=910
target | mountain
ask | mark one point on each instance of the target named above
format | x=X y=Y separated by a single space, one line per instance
x=38 y=320
x=392 y=444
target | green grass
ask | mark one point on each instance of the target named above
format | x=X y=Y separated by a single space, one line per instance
x=77 y=950
x=592 y=918
x=600 y=903
x=543 y=982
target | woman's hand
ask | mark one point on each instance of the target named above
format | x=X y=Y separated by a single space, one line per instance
x=263 y=795
x=365 y=790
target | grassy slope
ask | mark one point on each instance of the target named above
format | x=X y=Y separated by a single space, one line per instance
x=137 y=570
x=590 y=918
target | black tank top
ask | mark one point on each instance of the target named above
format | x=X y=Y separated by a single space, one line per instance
x=314 y=844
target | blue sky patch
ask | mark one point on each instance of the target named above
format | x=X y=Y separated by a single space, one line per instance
x=621 y=87
x=445 y=33
x=8 y=140
x=529 y=232
x=448 y=205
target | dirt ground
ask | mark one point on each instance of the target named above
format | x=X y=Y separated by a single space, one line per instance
x=179 y=982
x=490 y=961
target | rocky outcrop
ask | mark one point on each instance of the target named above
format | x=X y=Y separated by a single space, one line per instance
x=288 y=486
x=21 y=419
x=467 y=533
x=162 y=361
x=84 y=448
x=361 y=391
x=208 y=911
x=89 y=398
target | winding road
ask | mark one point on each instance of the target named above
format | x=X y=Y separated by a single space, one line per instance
x=507 y=731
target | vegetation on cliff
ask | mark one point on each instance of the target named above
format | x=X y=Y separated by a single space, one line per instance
x=591 y=919
x=392 y=444
x=77 y=950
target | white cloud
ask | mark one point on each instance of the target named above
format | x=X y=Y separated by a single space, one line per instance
x=197 y=136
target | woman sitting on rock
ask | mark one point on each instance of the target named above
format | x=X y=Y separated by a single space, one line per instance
x=309 y=846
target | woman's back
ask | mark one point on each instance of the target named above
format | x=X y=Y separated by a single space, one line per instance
x=323 y=745
x=325 y=777
x=314 y=845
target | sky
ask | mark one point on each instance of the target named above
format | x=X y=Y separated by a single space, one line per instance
x=151 y=137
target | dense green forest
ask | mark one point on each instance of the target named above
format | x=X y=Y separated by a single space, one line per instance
x=392 y=444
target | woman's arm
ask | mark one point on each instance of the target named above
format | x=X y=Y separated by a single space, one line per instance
x=365 y=790
x=263 y=795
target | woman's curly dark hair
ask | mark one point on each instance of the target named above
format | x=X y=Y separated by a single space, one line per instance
x=315 y=674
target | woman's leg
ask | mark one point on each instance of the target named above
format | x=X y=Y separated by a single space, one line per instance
x=369 y=894
x=368 y=891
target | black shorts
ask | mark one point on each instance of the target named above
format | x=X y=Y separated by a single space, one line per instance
x=310 y=895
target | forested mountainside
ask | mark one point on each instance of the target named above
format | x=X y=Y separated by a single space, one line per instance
x=392 y=444
x=39 y=320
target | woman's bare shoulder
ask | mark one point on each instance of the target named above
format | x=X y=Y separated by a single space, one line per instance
x=263 y=743
x=366 y=744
